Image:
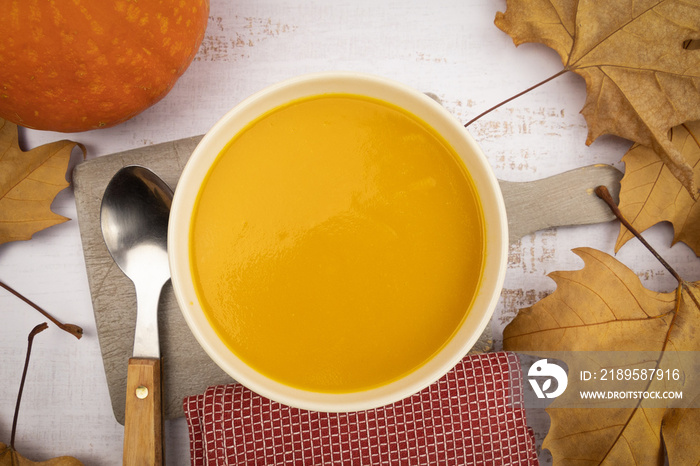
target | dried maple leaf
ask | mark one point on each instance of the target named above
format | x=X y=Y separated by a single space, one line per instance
x=640 y=79
x=10 y=457
x=680 y=430
x=605 y=308
x=650 y=194
x=29 y=181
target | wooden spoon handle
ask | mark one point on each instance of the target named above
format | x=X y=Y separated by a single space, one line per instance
x=143 y=425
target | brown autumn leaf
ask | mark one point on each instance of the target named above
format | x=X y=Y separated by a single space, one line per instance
x=680 y=429
x=605 y=308
x=10 y=457
x=29 y=181
x=640 y=79
x=650 y=194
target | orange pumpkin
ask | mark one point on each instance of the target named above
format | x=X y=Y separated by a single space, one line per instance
x=72 y=65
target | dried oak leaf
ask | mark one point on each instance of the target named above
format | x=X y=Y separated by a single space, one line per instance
x=605 y=308
x=29 y=181
x=650 y=194
x=640 y=79
x=10 y=457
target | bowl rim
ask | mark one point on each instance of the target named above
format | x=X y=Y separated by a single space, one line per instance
x=396 y=93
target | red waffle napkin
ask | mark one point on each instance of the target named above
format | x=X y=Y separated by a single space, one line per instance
x=473 y=415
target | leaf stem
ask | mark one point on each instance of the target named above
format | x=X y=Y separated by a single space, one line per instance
x=74 y=330
x=603 y=193
x=516 y=96
x=39 y=328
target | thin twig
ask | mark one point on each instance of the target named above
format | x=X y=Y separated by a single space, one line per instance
x=515 y=96
x=603 y=193
x=74 y=330
x=39 y=328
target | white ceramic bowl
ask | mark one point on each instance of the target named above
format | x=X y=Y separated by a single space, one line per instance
x=389 y=91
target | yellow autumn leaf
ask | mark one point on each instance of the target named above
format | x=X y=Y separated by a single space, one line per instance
x=605 y=308
x=29 y=181
x=640 y=79
x=10 y=457
x=650 y=194
x=680 y=429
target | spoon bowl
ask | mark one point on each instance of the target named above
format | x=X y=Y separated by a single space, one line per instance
x=134 y=220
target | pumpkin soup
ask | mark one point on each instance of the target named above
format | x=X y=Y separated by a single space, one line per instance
x=337 y=243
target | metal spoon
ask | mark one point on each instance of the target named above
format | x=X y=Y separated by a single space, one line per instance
x=134 y=220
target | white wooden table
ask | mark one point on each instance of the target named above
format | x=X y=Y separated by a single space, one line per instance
x=448 y=47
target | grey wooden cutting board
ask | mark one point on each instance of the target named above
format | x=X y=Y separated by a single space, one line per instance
x=565 y=199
